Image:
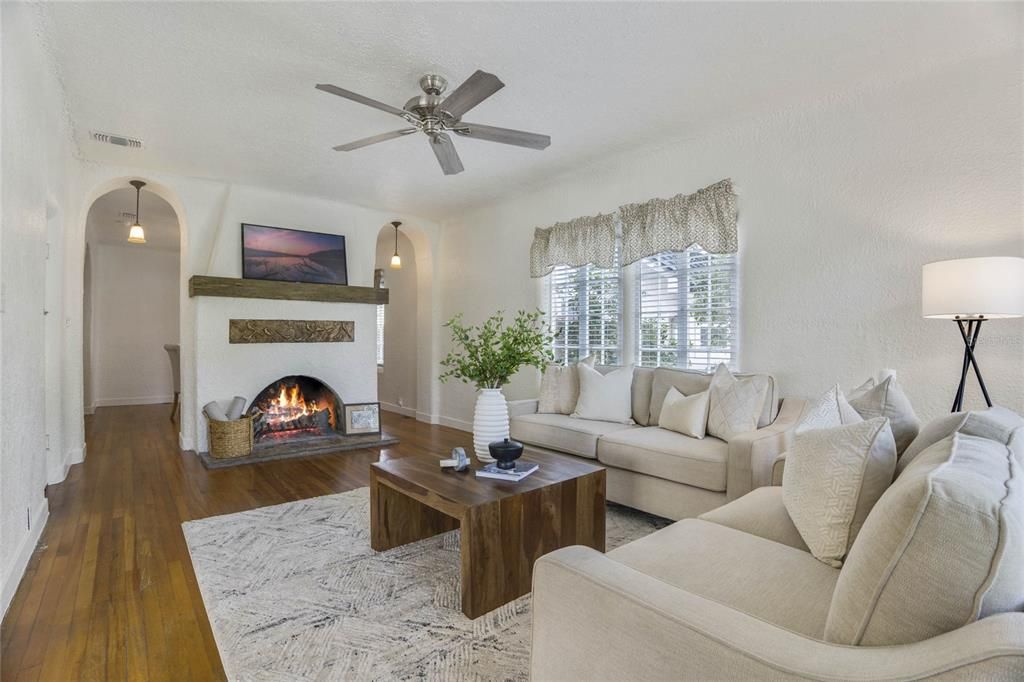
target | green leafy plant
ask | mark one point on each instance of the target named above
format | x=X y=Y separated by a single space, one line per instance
x=490 y=354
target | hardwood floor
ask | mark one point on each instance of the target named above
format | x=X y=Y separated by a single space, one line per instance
x=109 y=593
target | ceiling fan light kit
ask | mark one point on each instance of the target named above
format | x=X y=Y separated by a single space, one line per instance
x=435 y=115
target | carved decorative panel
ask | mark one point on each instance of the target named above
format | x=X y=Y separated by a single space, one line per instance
x=291 y=331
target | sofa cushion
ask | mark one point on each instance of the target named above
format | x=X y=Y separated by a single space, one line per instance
x=829 y=410
x=605 y=397
x=686 y=381
x=995 y=423
x=562 y=433
x=887 y=399
x=685 y=414
x=943 y=547
x=762 y=513
x=643 y=382
x=658 y=452
x=833 y=478
x=736 y=404
x=764 y=579
x=560 y=387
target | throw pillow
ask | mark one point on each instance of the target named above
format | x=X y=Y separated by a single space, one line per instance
x=605 y=397
x=828 y=411
x=736 y=404
x=683 y=414
x=887 y=399
x=832 y=479
x=560 y=387
x=941 y=549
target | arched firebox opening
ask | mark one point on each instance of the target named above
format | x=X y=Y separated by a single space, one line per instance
x=296 y=407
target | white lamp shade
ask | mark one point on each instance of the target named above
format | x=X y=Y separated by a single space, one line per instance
x=136 y=235
x=396 y=262
x=991 y=287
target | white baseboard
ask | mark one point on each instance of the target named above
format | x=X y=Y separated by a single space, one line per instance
x=427 y=418
x=23 y=553
x=142 y=400
x=90 y=409
x=397 y=409
x=460 y=424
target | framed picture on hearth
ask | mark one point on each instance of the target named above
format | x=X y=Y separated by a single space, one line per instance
x=286 y=255
x=362 y=418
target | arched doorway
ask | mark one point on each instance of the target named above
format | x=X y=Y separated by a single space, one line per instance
x=397 y=330
x=131 y=300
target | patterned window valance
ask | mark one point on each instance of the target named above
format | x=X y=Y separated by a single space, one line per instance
x=578 y=242
x=707 y=218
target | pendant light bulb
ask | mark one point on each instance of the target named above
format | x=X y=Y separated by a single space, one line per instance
x=396 y=260
x=136 y=235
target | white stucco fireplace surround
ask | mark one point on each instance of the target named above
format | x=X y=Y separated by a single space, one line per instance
x=224 y=370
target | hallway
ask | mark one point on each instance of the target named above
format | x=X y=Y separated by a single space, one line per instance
x=110 y=592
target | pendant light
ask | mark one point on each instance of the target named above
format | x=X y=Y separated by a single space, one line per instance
x=396 y=260
x=136 y=235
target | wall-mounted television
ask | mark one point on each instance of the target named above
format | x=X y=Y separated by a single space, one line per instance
x=286 y=255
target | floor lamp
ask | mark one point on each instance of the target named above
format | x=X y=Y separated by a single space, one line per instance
x=971 y=291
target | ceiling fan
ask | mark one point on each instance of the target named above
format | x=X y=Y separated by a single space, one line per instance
x=435 y=116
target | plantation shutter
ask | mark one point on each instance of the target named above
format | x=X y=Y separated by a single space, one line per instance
x=585 y=313
x=687 y=309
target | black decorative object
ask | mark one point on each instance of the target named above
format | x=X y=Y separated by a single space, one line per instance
x=969 y=330
x=506 y=452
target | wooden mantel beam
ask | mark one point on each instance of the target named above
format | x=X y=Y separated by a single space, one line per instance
x=230 y=287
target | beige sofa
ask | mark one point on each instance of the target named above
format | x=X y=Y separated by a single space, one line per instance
x=933 y=587
x=660 y=471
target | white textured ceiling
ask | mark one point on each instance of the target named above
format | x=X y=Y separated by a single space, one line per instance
x=225 y=90
x=107 y=225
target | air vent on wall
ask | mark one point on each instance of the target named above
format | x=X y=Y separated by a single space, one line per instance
x=119 y=140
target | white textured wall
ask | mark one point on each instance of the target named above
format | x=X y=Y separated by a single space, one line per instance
x=396 y=384
x=841 y=201
x=34 y=175
x=134 y=313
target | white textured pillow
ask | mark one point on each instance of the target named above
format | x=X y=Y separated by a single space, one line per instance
x=605 y=397
x=560 y=387
x=887 y=399
x=832 y=479
x=736 y=404
x=828 y=411
x=685 y=414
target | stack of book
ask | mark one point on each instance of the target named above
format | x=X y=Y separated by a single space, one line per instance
x=521 y=471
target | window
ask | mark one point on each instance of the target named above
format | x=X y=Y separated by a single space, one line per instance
x=687 y=309
x=380 y=335
x=585 y=314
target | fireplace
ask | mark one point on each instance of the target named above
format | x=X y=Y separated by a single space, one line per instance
x=295 y=407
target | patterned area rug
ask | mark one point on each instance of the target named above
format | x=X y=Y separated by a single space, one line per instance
x=294 y=592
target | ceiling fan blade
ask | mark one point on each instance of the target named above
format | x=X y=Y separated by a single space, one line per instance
x=367 y=141
x=356 y=97
x=446 y=155
x=473 y=90
x=503 y=135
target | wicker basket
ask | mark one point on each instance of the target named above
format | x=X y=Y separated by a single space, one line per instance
x=230 y=439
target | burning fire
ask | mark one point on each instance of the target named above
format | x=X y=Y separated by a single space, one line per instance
x=291 y=405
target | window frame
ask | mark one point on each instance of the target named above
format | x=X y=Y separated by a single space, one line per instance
x=691 y=356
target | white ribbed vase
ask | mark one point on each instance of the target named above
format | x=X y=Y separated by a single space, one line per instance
x=490 y=421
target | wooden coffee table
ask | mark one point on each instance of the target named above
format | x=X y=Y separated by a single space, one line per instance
x=504 y=526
